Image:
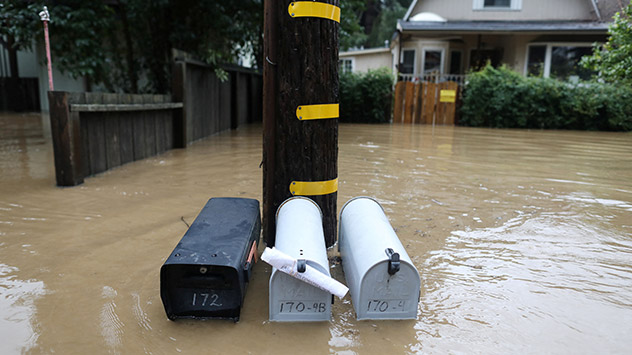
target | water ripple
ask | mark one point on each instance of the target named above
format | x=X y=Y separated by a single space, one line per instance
x=537 y=283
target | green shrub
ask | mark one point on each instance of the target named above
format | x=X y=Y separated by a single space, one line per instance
x=366 y=97
x=502 y=98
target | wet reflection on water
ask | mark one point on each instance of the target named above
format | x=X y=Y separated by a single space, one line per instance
x=523 y=240
x=16 y=311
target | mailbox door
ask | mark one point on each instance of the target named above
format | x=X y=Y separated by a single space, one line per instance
x=384 y=296
x=186 y=293
x=292 y=300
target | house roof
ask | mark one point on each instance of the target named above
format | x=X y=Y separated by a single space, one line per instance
x=504 y=26
x=355 y=52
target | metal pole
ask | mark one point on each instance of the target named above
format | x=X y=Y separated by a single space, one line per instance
x=45 y=17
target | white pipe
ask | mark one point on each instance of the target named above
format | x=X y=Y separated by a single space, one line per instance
x=596 y=7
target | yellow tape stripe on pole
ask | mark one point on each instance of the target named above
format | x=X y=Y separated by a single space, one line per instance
x=316 y=112
x=313 y=188
x=314 y=9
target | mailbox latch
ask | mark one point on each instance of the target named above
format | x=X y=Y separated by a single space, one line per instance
x=393 y=261
x=301 y=265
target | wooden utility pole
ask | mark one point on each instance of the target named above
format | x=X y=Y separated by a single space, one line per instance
x=300 y=108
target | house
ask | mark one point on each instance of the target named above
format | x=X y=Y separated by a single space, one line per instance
x=539 y=37
x=26 y=90
x=361 y=60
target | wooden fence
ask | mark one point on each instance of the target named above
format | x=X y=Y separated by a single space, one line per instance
x=426 y=102
x=210 y=105
x=94 y=132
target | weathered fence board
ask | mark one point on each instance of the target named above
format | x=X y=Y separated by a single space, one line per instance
x=417 y=103
x=447 y=110
x=226 y=108
x=429 y=100
x=138 y=123
x=408 y=102
x=126 y=131
x=111 y=131
x=398 y=108
x=242 y=99
x=150 y=129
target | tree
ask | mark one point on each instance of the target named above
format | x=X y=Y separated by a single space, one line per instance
x=120 y=44
x=386 y=22
x=351 y=32
x=368 y=23
x=613 y=61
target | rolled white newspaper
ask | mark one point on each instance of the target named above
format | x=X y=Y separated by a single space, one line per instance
x=287 y=264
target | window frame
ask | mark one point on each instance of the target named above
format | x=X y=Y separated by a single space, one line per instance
x=479 y=5
x=548 y=54
x=401 y=61
x=423 y=59
x=350 y=59
x=460 y=62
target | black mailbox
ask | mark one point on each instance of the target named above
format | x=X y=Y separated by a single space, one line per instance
x=207 y=273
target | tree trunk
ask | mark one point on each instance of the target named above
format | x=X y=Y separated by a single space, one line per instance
x=300 y=68
x=132 y=75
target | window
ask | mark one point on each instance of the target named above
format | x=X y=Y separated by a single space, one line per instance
x=346 y=65
x=456 y=66
x=560 y=61
x=565 y=62
x=407 y=65
x=432 y=61
x=535 y=63
x=480 y=58
x=497 y=5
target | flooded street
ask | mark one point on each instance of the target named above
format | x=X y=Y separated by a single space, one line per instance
x=523 y=240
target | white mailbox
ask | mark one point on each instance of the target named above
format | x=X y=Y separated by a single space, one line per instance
x=299 y=234
x=382 y=280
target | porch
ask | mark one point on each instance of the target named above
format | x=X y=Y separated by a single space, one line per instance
x=541 y=48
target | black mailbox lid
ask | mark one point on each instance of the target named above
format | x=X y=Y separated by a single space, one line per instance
x=220 y=238
x=217 y=236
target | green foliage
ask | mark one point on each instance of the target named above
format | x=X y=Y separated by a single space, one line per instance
x=369 y=23
x=386 y=22
x=613 y=61
x=126 y=43
x=351 y=32
x=19 y=20
x=366 y=97
x=501 y=98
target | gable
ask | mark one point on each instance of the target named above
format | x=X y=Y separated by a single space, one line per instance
x=527 y=10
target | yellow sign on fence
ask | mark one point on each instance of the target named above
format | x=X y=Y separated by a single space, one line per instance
x=447 y=96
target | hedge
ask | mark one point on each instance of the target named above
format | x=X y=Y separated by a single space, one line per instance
x=366 y=97
x=501 y=98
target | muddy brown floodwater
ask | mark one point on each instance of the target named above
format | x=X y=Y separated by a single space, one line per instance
x=523 y=240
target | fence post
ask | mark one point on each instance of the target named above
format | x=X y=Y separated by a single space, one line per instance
x=66 y=132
